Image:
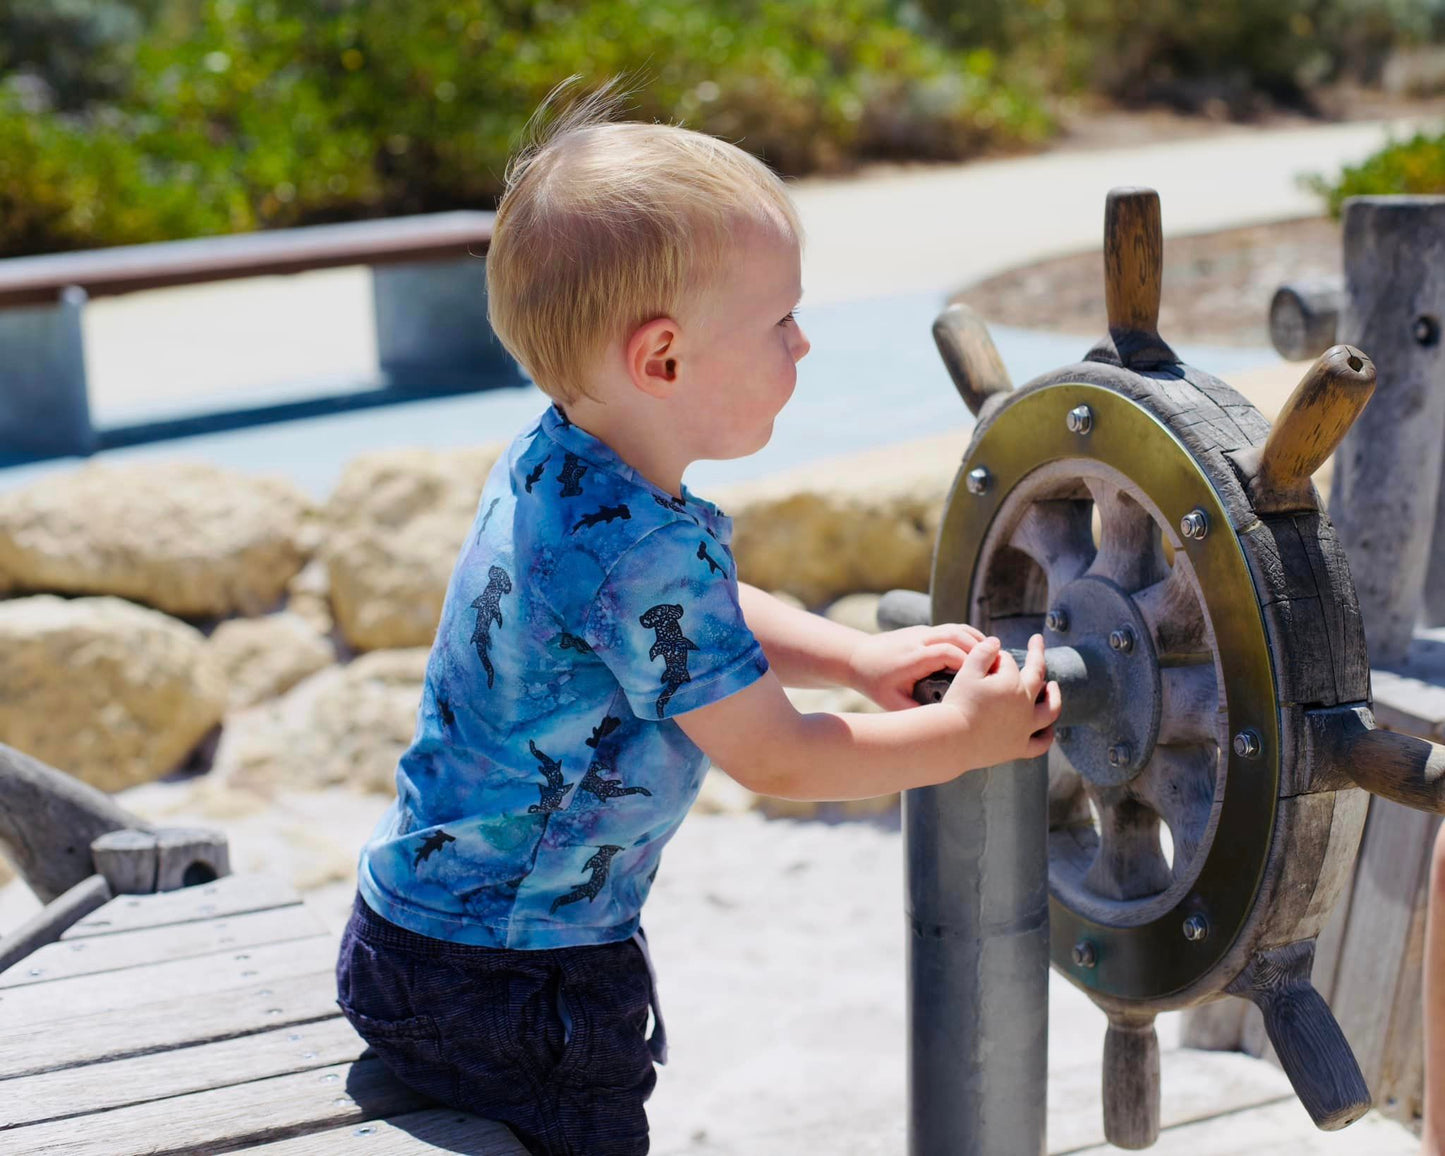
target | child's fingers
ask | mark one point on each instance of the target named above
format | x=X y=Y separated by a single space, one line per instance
x=959 y=633
x=981 y=658
x=1039 y=743
x=1033 y=674
x=937 y=656
x=1046 y=711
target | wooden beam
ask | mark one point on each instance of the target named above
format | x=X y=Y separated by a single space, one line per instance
x=136 y=1028
x=181 y=1071
x=131 y=268
x=51 y=922
x=48 y=820
x=223 y=1119
x=224 y=971
x=232 y=895
x=232 y=934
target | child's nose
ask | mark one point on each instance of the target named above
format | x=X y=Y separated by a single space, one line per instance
x=801 y=344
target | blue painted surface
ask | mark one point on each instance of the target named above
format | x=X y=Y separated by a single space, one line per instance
x=873 y=379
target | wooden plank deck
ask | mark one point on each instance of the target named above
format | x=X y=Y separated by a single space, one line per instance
x=204 y=1021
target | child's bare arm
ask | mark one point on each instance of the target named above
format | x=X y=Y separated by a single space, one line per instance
x=988 y=716
x=806 y=649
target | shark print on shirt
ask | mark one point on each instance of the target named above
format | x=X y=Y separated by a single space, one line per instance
x=488 y=606
x=598 y=865
x=671 y=646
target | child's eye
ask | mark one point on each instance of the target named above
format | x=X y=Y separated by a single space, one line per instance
x=792 y=315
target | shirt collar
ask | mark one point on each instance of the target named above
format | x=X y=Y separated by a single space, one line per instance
x=596 y=452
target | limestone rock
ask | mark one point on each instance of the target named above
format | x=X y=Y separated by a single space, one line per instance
x=860 y=611
x=399 y=519
x=308 y=596
x=344 y=725
x=184 y=537
x=111 y=692
x=866 y=522
x=263 y=657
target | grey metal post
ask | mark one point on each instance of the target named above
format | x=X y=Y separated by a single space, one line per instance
x=977 y=907
x=978 y=962
x=1384 y=502
x=431 y=325
x=44 y=403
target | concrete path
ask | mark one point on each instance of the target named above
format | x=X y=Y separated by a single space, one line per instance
x=940 y=228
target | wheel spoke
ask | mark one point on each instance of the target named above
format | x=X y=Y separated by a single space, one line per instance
x=1068 y=802
x=1131 y=551
x=1056 y=535
x=1175 y=618
x=1190 y=708
x=1129 y=864
x=1178 y=783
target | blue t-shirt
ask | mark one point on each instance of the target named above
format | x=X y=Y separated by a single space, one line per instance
x=586 y=609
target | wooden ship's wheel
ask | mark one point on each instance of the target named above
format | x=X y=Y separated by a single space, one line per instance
x=1167 y=542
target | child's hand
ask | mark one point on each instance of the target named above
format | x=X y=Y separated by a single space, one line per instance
x=1010 y=712
x=885 y=666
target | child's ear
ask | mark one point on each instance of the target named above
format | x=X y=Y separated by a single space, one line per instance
x=651 y=354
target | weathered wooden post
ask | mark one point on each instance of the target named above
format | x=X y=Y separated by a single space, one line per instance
x=76 y=848
x=1385 y=500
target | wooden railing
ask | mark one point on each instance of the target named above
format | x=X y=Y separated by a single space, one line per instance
x=432 y=336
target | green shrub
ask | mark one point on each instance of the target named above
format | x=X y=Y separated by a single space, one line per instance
x=243 y=114
x=1413 y=166
x=1242 y=53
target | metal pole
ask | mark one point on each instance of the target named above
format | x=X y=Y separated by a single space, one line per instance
x=978 y=962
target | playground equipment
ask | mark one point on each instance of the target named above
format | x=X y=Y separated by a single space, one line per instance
x=1199 y=614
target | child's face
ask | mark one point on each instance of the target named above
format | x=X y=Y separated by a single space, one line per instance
x=745 y=347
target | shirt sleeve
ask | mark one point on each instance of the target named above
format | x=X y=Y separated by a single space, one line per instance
x=667 y=624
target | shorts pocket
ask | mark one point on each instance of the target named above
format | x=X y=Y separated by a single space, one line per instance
x=411 y=1048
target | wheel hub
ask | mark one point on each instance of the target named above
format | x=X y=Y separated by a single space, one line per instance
x=1114 y=735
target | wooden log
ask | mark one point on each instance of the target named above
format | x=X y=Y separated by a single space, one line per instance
x=127 y=859
x=1304 y=315
x=48 y=820
x=1133 y=277
x=52 y=921
x=1311 y=425
x=970 y=356
x=1311 y=1047
x=187 y=856
x=1388 y=470
x=1131 y=1082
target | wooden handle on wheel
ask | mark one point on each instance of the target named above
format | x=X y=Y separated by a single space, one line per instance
x=1313 y=422
x=970 y=355
x=1312 y=1050
x=1131 y=1082
x=1134 y=276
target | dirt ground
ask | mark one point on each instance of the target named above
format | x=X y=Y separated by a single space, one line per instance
x=1217 y=287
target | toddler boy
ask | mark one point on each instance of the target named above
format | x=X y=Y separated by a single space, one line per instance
x=596 y=648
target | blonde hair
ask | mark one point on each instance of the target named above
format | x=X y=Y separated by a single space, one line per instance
x=605 y=225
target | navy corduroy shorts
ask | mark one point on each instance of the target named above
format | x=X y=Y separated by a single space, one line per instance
x=552 y=1043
